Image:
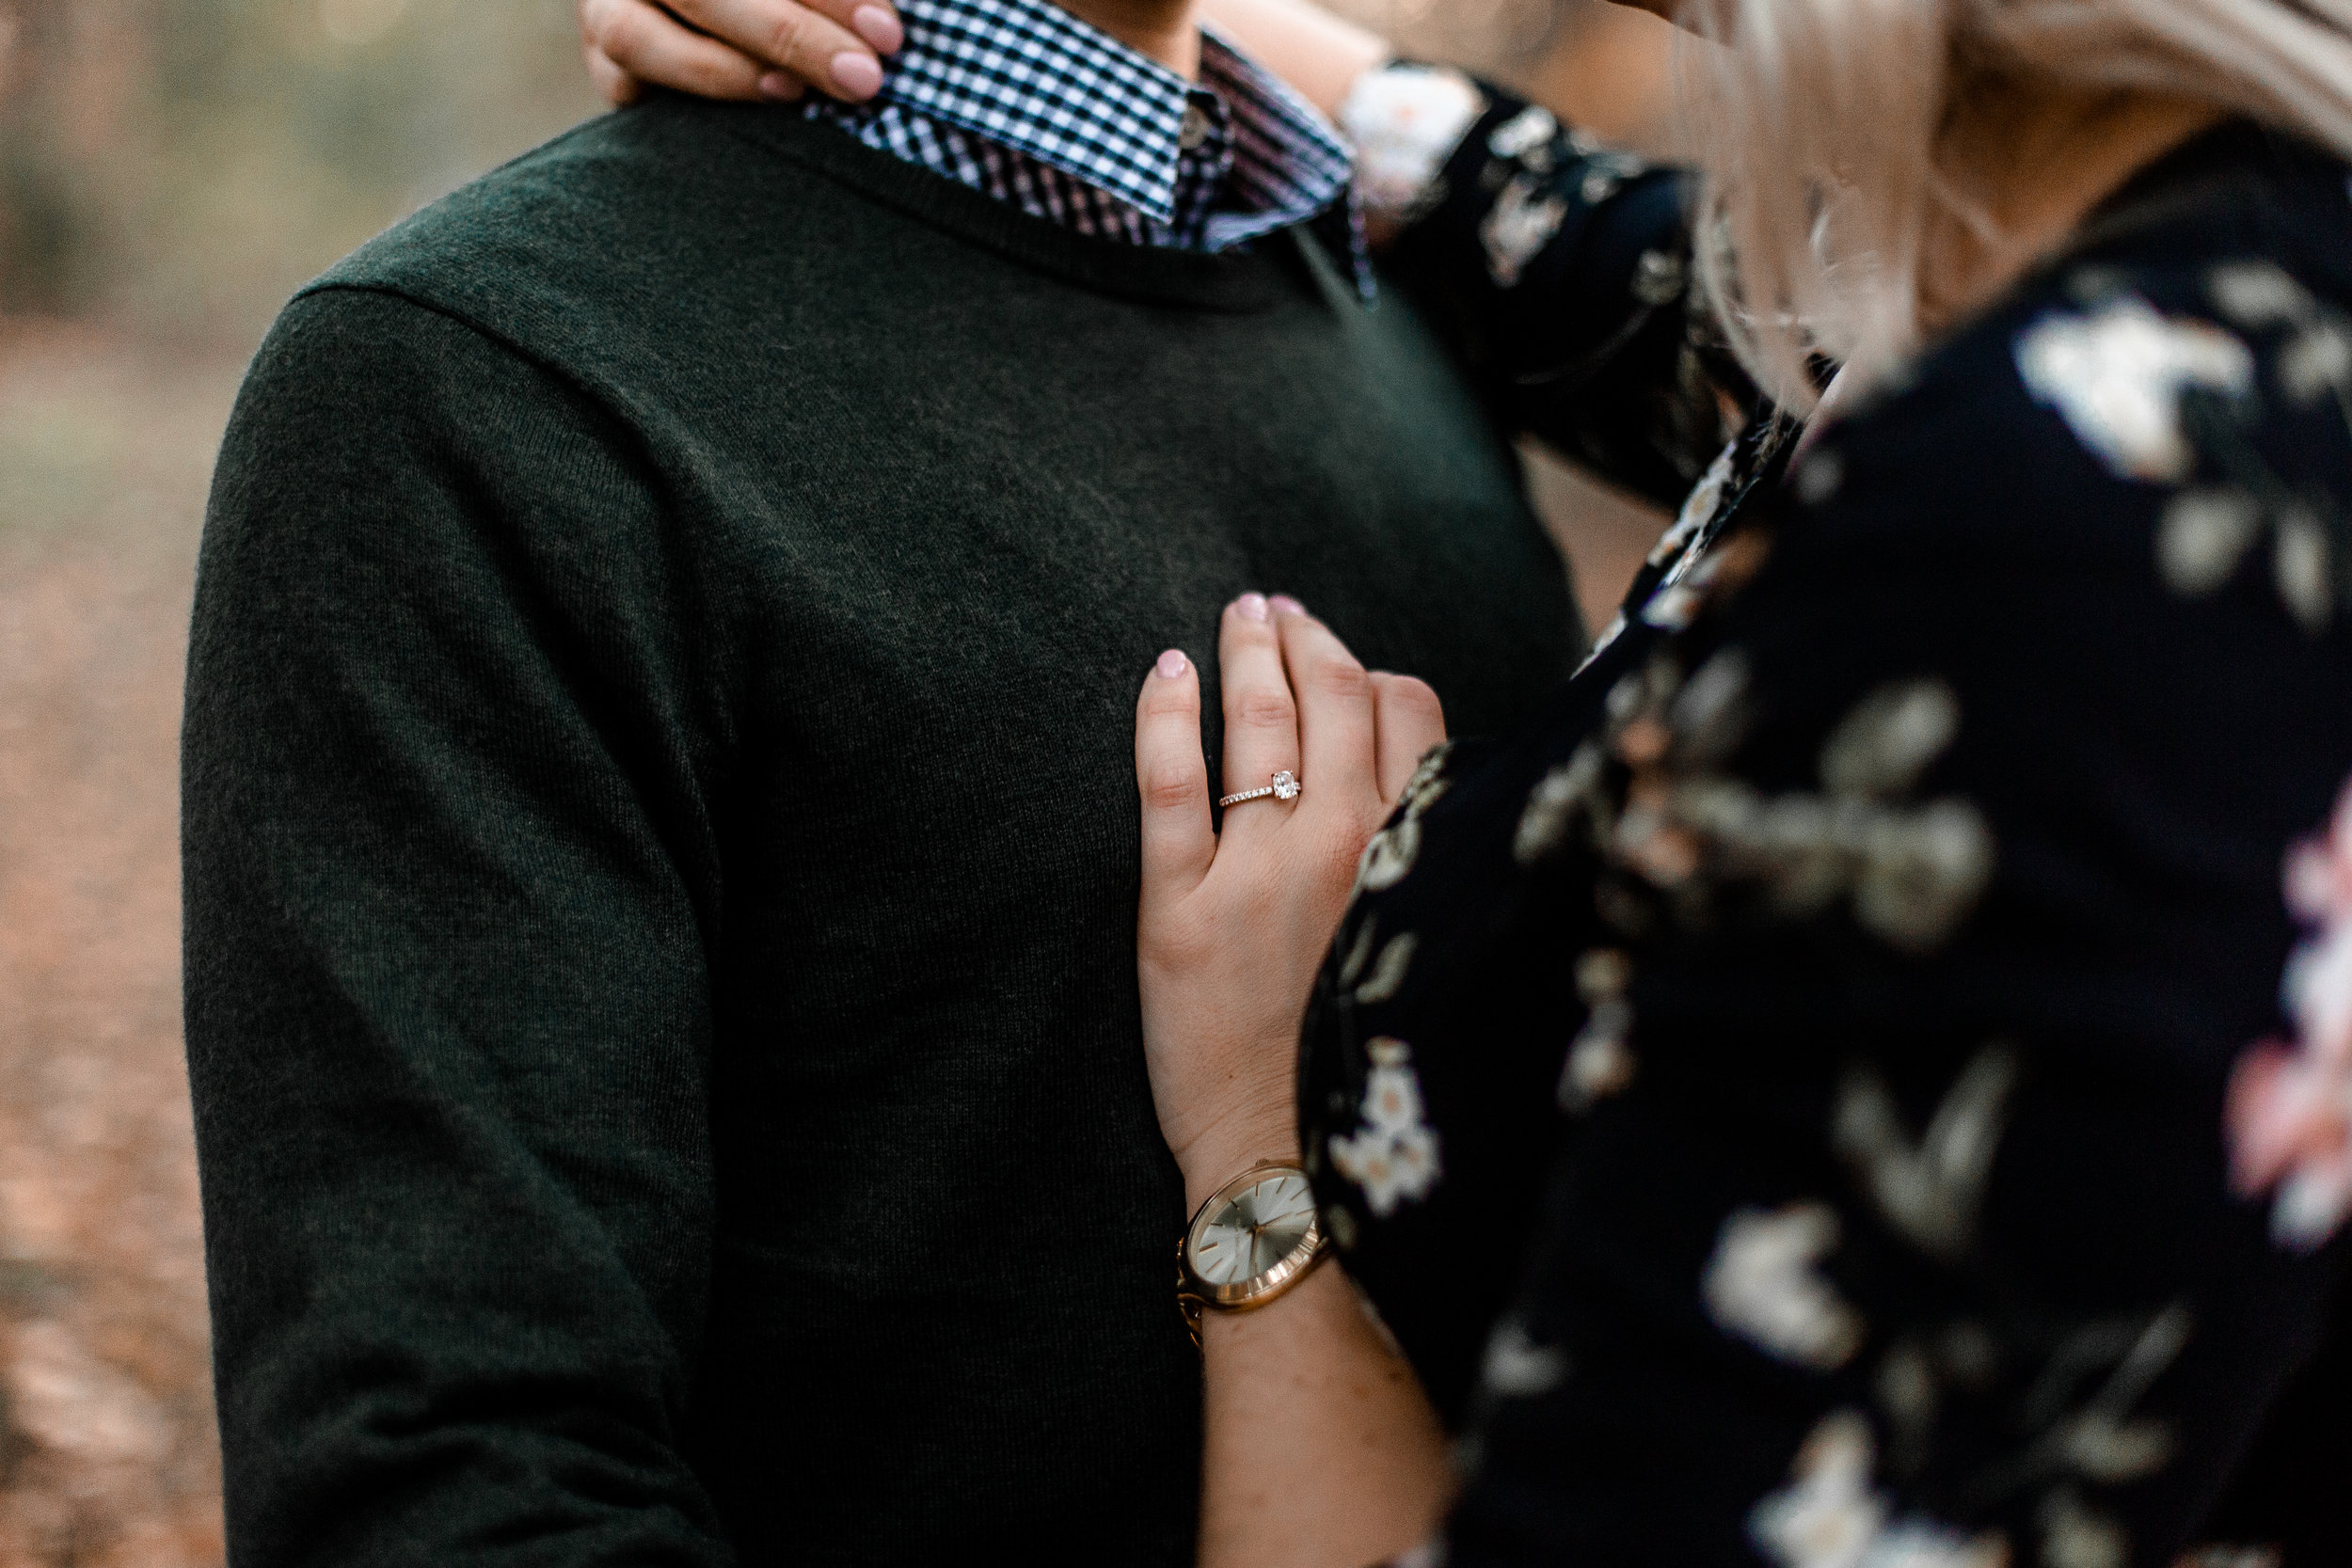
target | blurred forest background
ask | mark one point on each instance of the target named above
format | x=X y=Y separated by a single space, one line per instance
x=170 y=170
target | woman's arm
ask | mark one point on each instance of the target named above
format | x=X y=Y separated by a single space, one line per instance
x=1319 y=1447
x=1560 y=272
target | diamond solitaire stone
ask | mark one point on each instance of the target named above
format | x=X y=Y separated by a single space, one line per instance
x=1285 y=788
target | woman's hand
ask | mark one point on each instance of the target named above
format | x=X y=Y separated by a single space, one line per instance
x=739 y=49
x=1233 y=929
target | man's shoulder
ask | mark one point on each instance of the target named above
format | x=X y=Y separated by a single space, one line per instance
x=612 y=220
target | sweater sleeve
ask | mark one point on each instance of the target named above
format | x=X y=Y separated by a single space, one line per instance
x=449 y=892
x=1560 y=271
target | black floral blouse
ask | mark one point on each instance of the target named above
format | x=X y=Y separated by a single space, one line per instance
x=1864 y=1082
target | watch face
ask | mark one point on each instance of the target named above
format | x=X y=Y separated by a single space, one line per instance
x=1253 y=1229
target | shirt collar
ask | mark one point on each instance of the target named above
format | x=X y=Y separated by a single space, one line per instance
x=1030 y=76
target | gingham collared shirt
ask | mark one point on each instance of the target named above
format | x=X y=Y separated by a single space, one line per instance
x=1021 y=100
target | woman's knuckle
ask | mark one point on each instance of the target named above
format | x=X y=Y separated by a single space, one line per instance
x=1346 y=832
x=1261 y=709
x=620 y=31
x=1163 y=703
x=1336 y=865
x=1415 y=694
x=1168 y=789
x=1169 y=944
x=789 y=34
x=1341 y=677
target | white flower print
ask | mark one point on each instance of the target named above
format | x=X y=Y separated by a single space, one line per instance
x=1600 y=1062
x=1517 y=227
x=1930 y=1190
x=1830 y=1516
x=2072 y=1536
x=1390 y=855
x=2257 y=294
x=1394 y=1156
x=2317 y=362
x=1524 y=132
x=2116 y=375
x=1387 y=971
x=1762 y=1286
x=2203 y=536
x=1391 y=1098
x=1882 y=747
x=1428 y=780
x=1553 y=804
x=1690 y=831
x=1393 y=849
x=2205 y=533
x=2290 y=1107
x=1391 y=1167
x=1660 y=279
x=1516 y=1368
x=2316 y=358
x=1406 y=122
x=1367 y=979
x=2303 y=567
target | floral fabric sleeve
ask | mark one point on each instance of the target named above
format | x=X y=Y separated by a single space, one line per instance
x=1902 y=1221
x=1557 y=268
x=1939 y=1173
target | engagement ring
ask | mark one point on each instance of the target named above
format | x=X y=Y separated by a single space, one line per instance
x=1284 y=787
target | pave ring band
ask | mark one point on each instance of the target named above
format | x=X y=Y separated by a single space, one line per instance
x=1284 y=787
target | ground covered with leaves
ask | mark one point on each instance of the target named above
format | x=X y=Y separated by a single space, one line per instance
x=108 y=1454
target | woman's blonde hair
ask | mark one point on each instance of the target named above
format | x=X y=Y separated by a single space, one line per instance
x=1824 y=127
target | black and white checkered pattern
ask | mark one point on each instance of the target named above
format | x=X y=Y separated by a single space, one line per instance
x=1021 y=100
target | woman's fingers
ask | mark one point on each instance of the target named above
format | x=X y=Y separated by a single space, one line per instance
x=632 y=43
x=1172 y=778
x=831 y=44
x=1336 y=727
x=742 y=49
x=1261 y=717
x=619 y=87
x=1410 y=720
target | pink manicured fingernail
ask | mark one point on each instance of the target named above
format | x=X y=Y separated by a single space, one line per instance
x=1171 y=664
x=1252 y=606
x=776 y=84
x=858 y=75
x=1287 y=604
x=877 y=28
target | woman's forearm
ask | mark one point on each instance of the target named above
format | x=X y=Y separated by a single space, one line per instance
x=1319 y=1449
x=1314 y=51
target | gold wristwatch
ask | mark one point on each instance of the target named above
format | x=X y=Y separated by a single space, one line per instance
x=1255 y=1237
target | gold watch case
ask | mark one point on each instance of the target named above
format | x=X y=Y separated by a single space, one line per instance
x=1253 y=1239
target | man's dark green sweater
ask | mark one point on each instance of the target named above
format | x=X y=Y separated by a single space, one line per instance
x=661 y=843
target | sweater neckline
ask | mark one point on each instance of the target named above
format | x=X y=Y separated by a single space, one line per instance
x=1227 y=282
